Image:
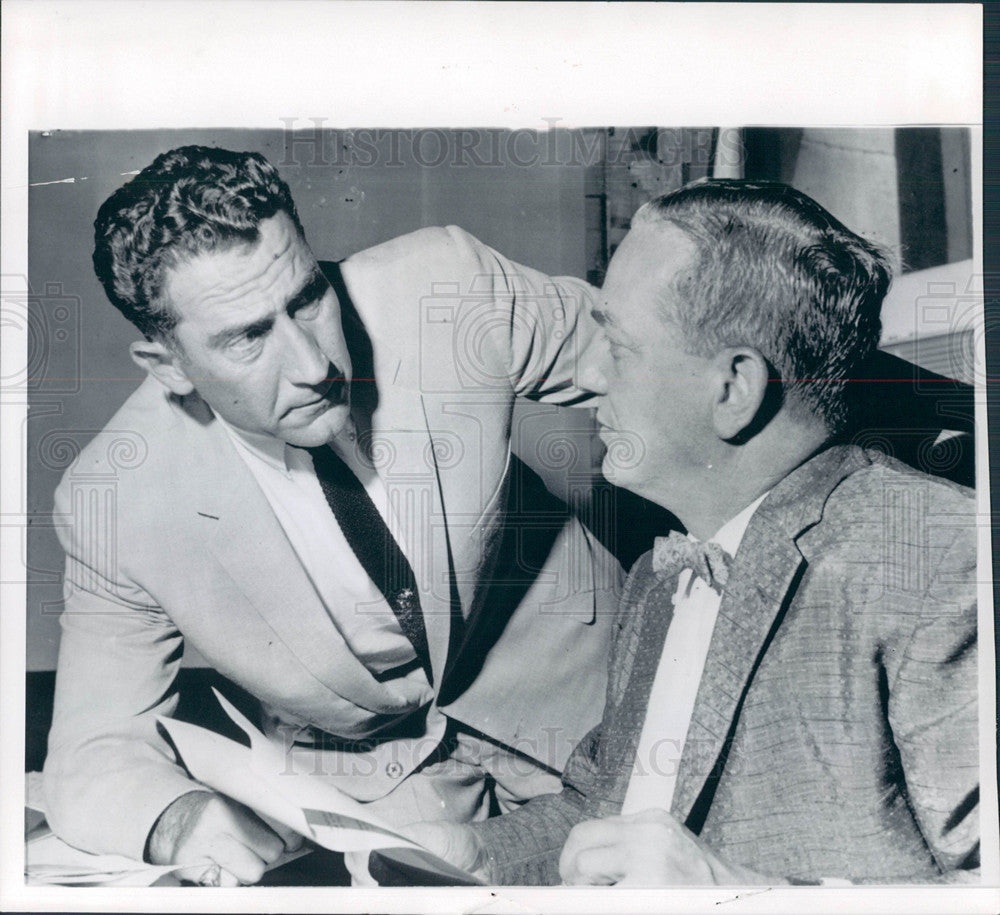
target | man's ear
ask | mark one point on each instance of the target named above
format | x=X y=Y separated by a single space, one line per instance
x=163 y=363
x=742 y=374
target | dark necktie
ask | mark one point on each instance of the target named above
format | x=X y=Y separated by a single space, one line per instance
x=374 y=545
x=706 y=559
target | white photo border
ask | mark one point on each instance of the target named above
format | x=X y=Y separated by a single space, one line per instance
x=80 y=64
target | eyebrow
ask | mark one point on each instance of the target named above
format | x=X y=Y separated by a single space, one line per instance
x=313 y=288
x=222 y=337
x=602 y=317
x=612 y=328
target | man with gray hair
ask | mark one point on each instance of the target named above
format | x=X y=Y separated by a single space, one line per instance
x=792 y=688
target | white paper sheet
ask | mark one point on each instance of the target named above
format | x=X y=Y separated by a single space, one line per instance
x=261 y=778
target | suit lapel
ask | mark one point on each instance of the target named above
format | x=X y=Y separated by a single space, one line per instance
x=762 y=581
x=401 y=446
x=645 y=616
x=243 y=535
x=749 y=610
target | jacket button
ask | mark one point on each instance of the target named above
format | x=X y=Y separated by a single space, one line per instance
x=394 y=770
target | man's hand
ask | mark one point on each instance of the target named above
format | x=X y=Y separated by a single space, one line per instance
x=218 y=837
x=457 y=843
x=646 y=849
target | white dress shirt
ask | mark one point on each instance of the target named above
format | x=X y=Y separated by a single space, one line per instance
x=675 y=686
x=355 y=604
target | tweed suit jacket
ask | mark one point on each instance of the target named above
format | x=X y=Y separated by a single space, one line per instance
x=835 y=729
x=170 y=543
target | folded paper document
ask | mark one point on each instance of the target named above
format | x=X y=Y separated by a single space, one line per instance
x=260 y=777
x=48 y=861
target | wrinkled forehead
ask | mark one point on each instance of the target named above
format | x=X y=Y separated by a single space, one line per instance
x=243 y=275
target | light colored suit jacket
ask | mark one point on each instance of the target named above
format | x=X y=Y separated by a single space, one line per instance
x=835 y=730
x=170 y=540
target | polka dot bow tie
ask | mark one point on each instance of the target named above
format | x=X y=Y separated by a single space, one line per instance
x=707 y=560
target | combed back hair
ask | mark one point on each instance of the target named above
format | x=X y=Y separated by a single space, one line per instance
x=190 y=200
x=774 y=270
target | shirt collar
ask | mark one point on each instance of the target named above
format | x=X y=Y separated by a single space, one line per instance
x=272 y=451
x=730 y=535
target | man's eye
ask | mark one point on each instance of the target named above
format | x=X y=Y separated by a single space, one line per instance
x=309 y=310
x=246 y=343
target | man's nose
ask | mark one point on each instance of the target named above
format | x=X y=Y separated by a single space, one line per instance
x=305 y=362
x=589 y=367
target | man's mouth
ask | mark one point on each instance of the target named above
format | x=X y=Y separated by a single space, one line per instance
x=335 y=394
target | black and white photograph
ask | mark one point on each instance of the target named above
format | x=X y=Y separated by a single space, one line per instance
x=416 y=516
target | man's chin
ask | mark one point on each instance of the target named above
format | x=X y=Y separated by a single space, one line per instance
x=609 y=471
x=616 y=472
x=321 y=430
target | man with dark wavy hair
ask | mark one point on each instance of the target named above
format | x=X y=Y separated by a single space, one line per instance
x=329 y=512
x=792 y=687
